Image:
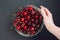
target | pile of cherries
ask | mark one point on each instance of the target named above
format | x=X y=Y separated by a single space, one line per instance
x=28 y=20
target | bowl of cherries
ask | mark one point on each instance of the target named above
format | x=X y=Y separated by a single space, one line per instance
x=27 y=21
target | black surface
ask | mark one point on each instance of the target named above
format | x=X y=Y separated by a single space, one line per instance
x=8 y=6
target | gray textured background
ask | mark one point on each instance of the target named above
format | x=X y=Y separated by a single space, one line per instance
x=8 y=6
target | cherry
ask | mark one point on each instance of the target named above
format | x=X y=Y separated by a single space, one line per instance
x=32 y=20
x=25 y=13
x=25 y=27
x=28 y=17
x=22 y=19
x=33 y=12
x=33 y=32
x=26 y=21
x=18 y=27
x=29 y=23
x=30 y=8
x=32 y=28
x=36 y=16
x=36 y=21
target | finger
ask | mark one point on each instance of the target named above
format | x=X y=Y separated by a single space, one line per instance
x=47 y=11
x=43 y=11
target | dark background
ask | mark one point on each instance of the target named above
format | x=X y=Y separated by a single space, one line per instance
x=8 y=6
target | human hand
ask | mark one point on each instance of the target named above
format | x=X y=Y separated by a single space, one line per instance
x=47 y=18
x=48 y=21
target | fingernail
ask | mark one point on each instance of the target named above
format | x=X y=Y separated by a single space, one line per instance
x=41 y=6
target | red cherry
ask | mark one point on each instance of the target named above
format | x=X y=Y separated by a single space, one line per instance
x=36 y=22
x=25 y=27
x=22 y=19
x=25 y=13
x=28 y=17
x=33 y=32
x=36 y=16
x=22 y=25
x=26 y=21
x=30 y=8
x=18 y=27
x=40 y=17
x=32 y=28
x=32 y=20
x=33 y=12
x=29 y=23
